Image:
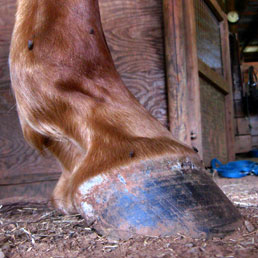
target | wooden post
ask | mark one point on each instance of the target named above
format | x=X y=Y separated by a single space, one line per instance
x=193 y=84
x=176 y=69
x=228 y=77
x=229 y=97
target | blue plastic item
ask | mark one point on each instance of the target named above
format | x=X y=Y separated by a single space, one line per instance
x=254 y=153
x=235 y=169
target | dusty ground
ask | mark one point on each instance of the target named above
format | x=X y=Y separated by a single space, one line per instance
x=34 y=230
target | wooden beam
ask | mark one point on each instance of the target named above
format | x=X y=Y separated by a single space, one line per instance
x=193 y=84
x=215 y=7
x=217 y=80
x=176 y=69
x=229 y=97
x=29 y=179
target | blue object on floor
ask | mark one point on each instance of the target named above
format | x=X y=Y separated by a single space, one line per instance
x=254 y=153
x=235 y=169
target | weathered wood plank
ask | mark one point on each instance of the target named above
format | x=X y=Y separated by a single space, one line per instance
x=193 y=83
x=229 y=108
x=213 y=123
x=7 y=101
x=217 y=80
x=24 y=192
x=214 y=5
x=16 y=156
x=29 y=179
x=133 y=29
x=176 y=69
x=17 y=159
x=7 y=12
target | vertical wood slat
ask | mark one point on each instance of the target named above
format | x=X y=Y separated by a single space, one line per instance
x=194 y=99
x=227 y=74
x=176 y=69
x=229 y=97
x=7 y=11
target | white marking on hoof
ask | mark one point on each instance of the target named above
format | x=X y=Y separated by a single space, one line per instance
x=87 y=209
x=86 y=187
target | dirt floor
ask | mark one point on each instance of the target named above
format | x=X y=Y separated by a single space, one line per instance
x=35 y=230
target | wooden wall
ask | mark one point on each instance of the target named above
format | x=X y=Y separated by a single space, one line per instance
x=252 y=121
x=200 y=53
x=134 y=33
x=22 y=170
x=213 y=123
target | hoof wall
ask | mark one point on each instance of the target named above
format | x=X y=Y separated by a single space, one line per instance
x=157 y=197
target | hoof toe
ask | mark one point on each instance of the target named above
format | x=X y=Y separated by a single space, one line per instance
x=156 y=198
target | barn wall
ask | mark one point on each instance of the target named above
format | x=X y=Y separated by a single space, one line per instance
x=213 y=123
x=134 y=32
x=22 y=171
x=251 y=121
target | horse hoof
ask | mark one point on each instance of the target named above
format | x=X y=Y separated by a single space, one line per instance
x=159 y=197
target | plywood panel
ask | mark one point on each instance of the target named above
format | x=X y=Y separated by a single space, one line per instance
x=21 y=167
x=7 y=12
x=133 y=29
x=16 y=156
x=213 y=123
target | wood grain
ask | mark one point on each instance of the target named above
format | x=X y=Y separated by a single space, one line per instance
x=18 y=161
x=176 y=70
x=213 y=123
x=23 y=172
x=16 y=156
x=134 y=33
x=193 y=83
x=216 y=79
x=229 y=108
x=7 y=12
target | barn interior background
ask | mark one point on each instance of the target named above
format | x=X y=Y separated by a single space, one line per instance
x=183 y=61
